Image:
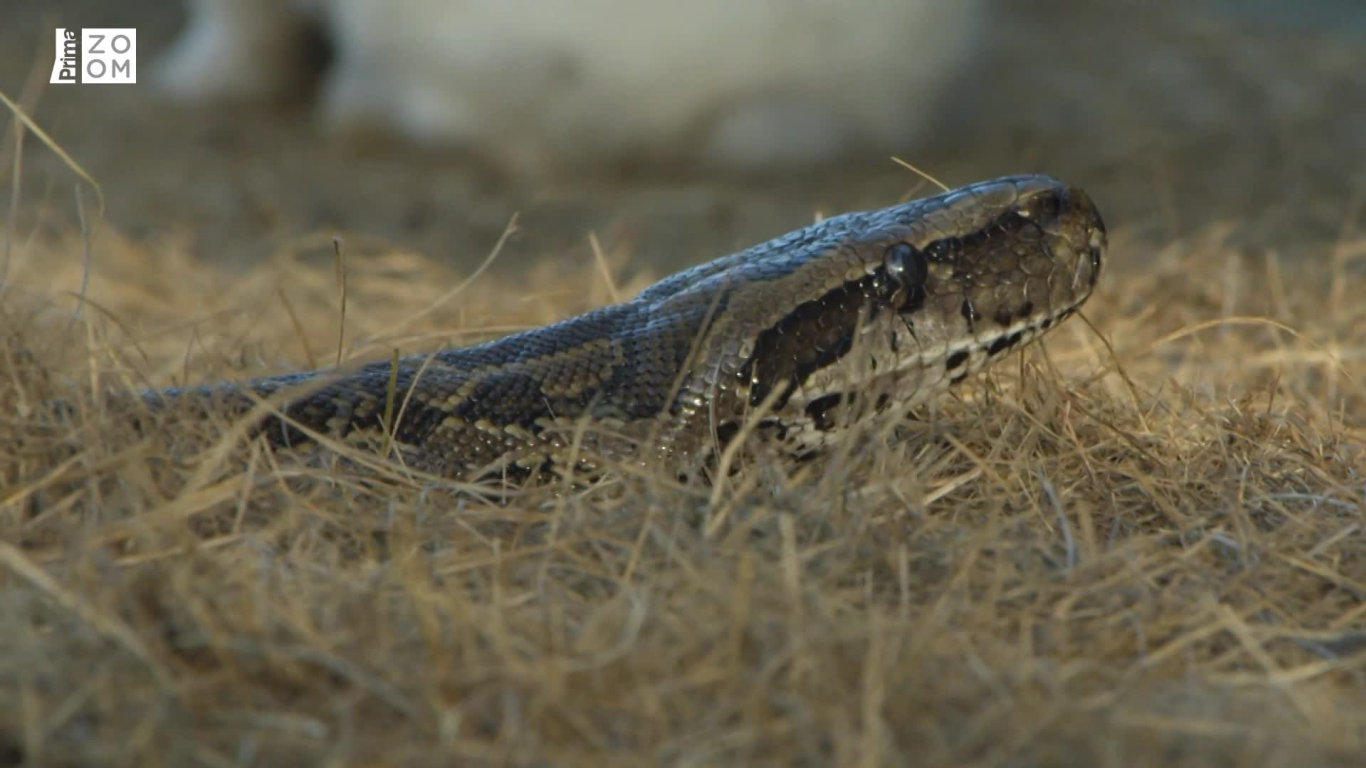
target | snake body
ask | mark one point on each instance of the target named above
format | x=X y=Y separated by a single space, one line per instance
x=796 y=337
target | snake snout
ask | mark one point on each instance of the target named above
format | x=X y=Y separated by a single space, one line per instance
x=1089 y=225
x=1073 y=229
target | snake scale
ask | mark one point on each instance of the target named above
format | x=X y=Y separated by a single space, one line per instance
x=796 y=337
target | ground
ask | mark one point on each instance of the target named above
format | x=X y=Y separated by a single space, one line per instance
x=1138 y=545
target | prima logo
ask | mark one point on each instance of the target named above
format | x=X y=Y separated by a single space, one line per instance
x=102 y=55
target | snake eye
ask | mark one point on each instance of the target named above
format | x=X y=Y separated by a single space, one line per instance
x=906 y=265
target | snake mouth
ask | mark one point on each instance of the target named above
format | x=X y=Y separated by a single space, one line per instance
x=965 y=356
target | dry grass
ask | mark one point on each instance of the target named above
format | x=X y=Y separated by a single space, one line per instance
x=1059 y=566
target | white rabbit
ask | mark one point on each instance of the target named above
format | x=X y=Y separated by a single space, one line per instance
x=739 y=84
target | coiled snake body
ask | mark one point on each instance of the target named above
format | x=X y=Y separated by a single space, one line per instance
x=881 y=309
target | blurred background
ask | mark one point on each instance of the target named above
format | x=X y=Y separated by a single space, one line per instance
x=1177 y=117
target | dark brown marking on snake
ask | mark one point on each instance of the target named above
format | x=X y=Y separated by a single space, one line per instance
x=944 y=250
x=819 y=332
x=811 y=337
x=1002 y=343
x=1005 y=317
x=822 y=410
x=725 y=432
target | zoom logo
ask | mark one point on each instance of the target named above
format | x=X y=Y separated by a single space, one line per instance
x=102 y=55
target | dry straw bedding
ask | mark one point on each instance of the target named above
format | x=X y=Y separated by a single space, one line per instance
x=1139 y=545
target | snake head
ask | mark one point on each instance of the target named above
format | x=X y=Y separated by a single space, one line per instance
x=996 y=258
x=930 y=289
x=890 y=307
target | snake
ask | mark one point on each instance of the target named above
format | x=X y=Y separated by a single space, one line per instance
x=792 y=341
